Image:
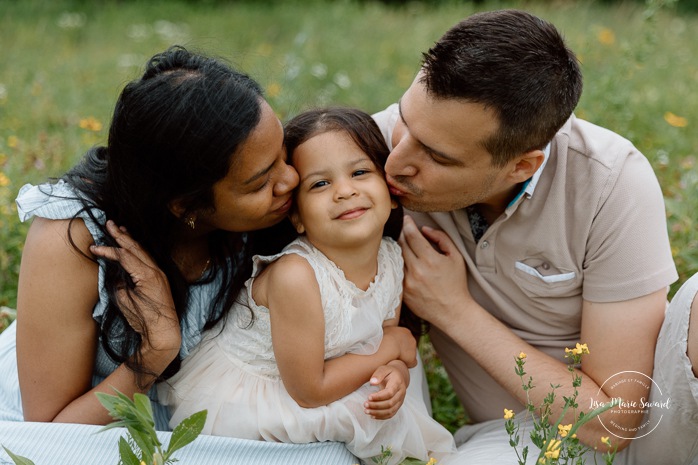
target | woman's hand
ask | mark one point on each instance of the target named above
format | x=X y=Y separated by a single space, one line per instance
x=148 y=307
x=393 y=380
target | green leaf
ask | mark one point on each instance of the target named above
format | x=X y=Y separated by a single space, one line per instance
x=186 y=431
x=128 y=457
x=18 y=459
x=144 y=442
x=412 y=461
x=108 y=401
x=143 y=404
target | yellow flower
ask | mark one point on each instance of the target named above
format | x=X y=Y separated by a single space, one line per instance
x=606 y=440
x=522 y=355
x=265 y=49
x=142 y=462
x=4 y=180
x=553 y=449
x=564 y=430
x=432 y=461
x=12 y=141
x=580 y=349
x=508 y=414
x=675 y=120
x=606 y=36
x=273 y=90
x=91 y=124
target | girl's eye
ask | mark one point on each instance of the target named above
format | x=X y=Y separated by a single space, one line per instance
x=318 y=184
x=360 y=172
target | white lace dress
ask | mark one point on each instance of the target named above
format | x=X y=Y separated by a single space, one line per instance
x=233 y=373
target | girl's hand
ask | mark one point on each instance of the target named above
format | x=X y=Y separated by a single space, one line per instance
x=149 y=307
x=406 y=344
x=393 y=379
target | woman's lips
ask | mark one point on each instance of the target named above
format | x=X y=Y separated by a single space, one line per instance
x=285 y=207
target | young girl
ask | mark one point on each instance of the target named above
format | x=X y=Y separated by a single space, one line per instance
x=294 y=362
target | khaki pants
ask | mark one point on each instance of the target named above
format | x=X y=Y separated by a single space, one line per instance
x=670 y=435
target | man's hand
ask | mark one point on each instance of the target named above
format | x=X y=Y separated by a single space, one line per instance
x=435 y=274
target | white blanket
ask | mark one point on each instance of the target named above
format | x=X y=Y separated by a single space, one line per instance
x=73 y=444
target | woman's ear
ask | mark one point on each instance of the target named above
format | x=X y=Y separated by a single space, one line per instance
x=296 y=222
x=177 y=208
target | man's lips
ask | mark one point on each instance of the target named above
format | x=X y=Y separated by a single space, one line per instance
x=351 y=214
x=395 y=190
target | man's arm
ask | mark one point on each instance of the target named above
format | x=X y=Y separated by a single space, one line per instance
x=621 y=336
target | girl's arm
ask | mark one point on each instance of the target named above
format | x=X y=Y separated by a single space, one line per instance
x=56 y=334
x=292 y=295
x=392 y=379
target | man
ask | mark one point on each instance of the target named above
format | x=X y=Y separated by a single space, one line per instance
x=537 y=231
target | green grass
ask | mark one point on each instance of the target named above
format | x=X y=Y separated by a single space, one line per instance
x=63 y=61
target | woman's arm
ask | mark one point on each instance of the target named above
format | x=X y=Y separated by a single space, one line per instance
x=298 y=335
x=56 y=334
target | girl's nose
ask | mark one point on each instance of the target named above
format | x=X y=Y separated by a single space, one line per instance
x=345 y=189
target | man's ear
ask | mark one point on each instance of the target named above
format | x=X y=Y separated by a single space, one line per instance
x=526 y=165
x=296 y=222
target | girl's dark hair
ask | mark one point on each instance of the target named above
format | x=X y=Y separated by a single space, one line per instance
x=362 y=129
x=173 y=135
x=366 y=134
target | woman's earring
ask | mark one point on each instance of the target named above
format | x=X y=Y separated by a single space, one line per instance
x=190 y=221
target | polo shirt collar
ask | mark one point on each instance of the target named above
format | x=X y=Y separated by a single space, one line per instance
x=530 y=184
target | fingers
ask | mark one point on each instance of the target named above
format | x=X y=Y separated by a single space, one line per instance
x=128 y=253
x=421 y=243
x=381 y=410
x=386 y=402
x=379 y=375
x=125 y=241
x=411 y=240
x=440 y=239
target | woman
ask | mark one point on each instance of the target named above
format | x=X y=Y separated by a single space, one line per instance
x=194 y=161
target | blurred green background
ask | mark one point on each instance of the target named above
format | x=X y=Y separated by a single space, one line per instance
x=64 y=63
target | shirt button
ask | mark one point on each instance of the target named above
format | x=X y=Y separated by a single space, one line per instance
x=545 y=266
x=484 y=245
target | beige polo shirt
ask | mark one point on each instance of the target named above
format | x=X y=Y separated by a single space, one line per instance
x=590 y=225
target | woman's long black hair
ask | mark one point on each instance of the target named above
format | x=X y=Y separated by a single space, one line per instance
x=172 y=137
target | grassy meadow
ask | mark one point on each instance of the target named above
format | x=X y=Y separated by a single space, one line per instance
x=64 y=63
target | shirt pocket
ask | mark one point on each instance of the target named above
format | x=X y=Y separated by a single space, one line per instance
x=538 y=278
